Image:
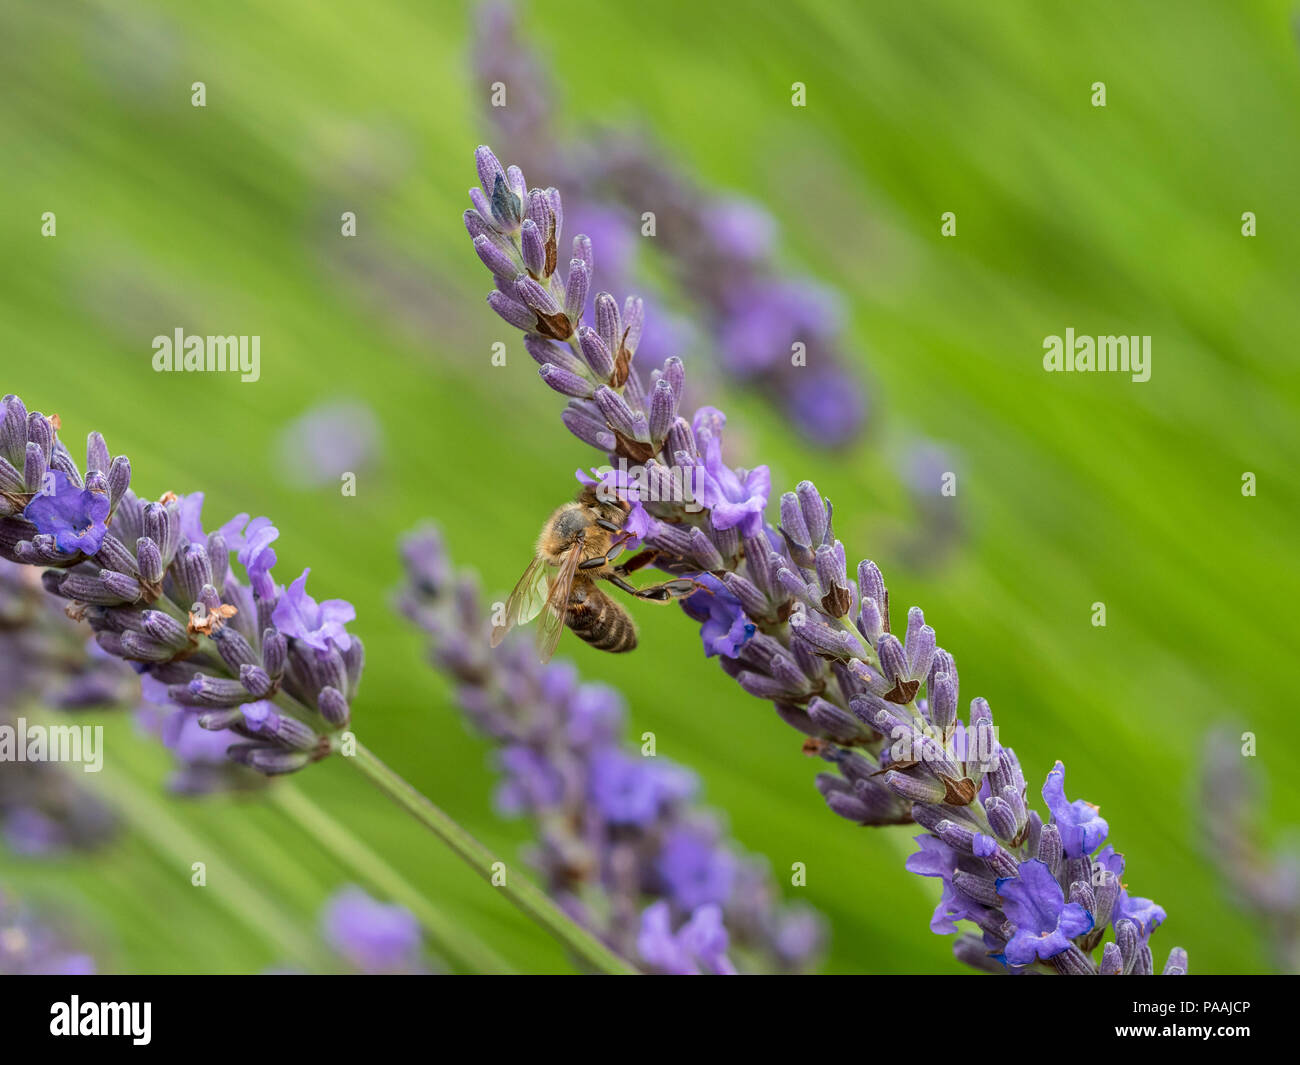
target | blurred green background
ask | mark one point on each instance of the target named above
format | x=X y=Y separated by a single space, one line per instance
x=1073 y=489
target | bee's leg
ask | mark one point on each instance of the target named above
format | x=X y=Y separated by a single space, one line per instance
x=616 y=545
x=607 y=525
x=636 y=562
x=658 y=593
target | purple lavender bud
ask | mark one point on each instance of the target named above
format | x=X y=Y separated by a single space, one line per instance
x=588 y=426
x=112 y=554
x=545 y=351
x=972 y=951
x=1006 y=773
x=915 y=788
x=556 y=205
x=633 y=322
x=165 y=629
x=13 y=427
x=609 y=325
x=795 y=528
x=220 y=720
x=1073 y=962
x=1106 y=891
x=596 y=353
x=839 y=724
x=514 y=312
x=616 y=411
x=957 y=837
x=576 y=287
x=119 y=480
x=794 y=586
x=40 y=432
x=681 y=443
x=354 y=662
x=495 y=258
x=942 y=697
x=762 y=687
x=489 y=168
x=213 y=692
x=275 y=650
x=919 y=645
x=813 y=508
x=871 y=585
x=256 y=680
x=506 y=206
x=836 y=598
x=273 y=761
x=62 y=461
x=333 y=707
x=977 y=888
x=539 y=212
x=1050 y=851
x=893 y=663
x=154 y=516
x=34 y=468
x=477 y=225
x=293 y=733
x=192 y=571
x=663 y=410
x=1128 y=941
x=11 y=481
x=529 y=291
x=1177 y=963
x=849 y=806
x=582 y=250
x=671 y=539
x=981 y=742
x=565 y=382
x=758 y=565
x=218 y=559
x=942 y=663
x=1112 y=961
x=703 y=552
x=823 y=639
x=532 y=246
x=753 y=601
x=1143 y=965
x=139 y=647
x=1002 y=819
x=124 y=588
x=1081 y=893
x=234 y=648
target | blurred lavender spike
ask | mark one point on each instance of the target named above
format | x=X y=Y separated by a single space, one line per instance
x=770 y=332
x=44 y=659
x=1266 y=885
x=623 y=846
x=31 y=944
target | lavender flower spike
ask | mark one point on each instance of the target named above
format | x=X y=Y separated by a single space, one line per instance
x=271 y=671
x=622 y=845
x=792 y=629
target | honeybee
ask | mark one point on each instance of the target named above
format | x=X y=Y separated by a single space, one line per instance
x=577 y=548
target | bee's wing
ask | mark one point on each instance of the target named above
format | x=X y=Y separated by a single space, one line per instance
x=557 y=605
x=526 y=601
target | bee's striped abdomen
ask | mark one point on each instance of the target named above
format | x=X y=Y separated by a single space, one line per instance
x=596 y=618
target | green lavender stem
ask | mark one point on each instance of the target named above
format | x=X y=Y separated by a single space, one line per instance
x=518 y=890
x=452 y=940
